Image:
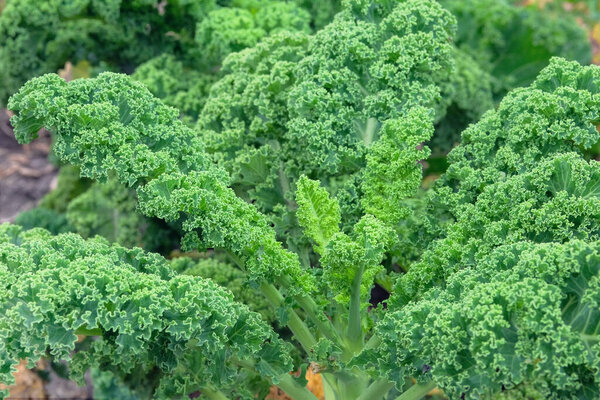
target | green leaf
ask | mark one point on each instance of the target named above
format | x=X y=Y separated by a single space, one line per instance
x=393 y=172
x=148 y=316
x=317 y=213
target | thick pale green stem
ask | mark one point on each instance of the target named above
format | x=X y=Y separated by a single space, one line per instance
x=296 y=325
x=377 y=390
x=311 y=309
x=354 y=332
x=323 y=324
x=293 y=389
x=343 y=385
x=417 y=391
x=248 y=364
x=369 y=132
x=328 y=387
x=213 y=394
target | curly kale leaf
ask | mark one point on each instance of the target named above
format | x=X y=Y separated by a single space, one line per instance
x=527 y=314
x=317 y=213
x=323 y=98
x=505 y=299
x=557 y=114
x=351 y=262
x=392 y=173
x=54 y=287
x=98 y=123
x=317 y=105
x=112 y=125
x=359 y=73
x=500 y=186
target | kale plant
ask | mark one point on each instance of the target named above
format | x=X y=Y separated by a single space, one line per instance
x=294 y=187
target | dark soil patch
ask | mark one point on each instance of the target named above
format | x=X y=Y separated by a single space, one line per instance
x=25 y=172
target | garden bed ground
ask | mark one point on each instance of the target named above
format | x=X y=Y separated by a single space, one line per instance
x=25 y=172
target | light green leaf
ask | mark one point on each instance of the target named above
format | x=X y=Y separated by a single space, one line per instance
x=317 y=213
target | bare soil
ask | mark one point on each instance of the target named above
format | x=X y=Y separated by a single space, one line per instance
x=25 y=172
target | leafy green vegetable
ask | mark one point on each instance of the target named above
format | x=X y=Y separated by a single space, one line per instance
x=317 y=213
x=508 y=296
x=158 y=155
x=316 y=105
x=40 y=36
x=300 y=188
x=138 y=305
